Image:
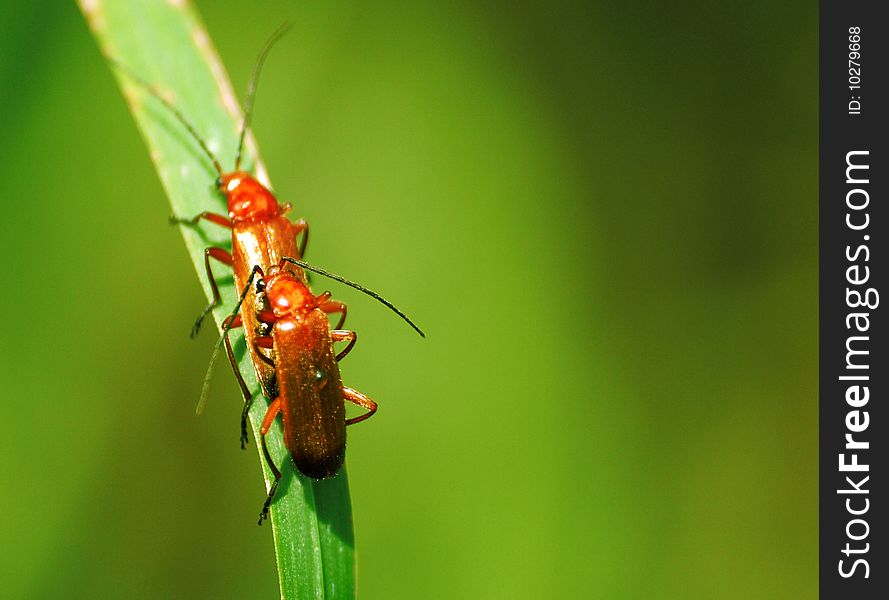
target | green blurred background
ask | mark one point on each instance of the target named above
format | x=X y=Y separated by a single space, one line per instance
x=603 y=214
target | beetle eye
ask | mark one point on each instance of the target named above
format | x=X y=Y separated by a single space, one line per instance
x=260 y=286
x=218 y=182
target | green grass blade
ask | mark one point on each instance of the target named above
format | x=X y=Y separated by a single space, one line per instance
x=164 y=43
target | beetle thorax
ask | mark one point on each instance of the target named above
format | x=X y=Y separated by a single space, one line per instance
x=248 y=200
x=288 y=296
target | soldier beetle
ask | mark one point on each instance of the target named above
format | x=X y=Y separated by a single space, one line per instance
x=311 y=393
x=261 y=233
x=286 y=326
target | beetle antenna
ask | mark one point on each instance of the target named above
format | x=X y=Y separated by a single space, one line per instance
x=358 y=287
x=171 y=107
x=251 y=87
x=205 y=386
x=226 y=327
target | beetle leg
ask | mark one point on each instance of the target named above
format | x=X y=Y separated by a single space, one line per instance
x=339 y=335
x=248 y=397
x=356 y=397
x=264 y=342
x=266 y=316
x=271 y=413
x=300 y=227
x=206 y=215
x=332 y=306
x=222 y=256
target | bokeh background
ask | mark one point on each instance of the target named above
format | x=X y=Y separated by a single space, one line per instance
x=604 y=215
